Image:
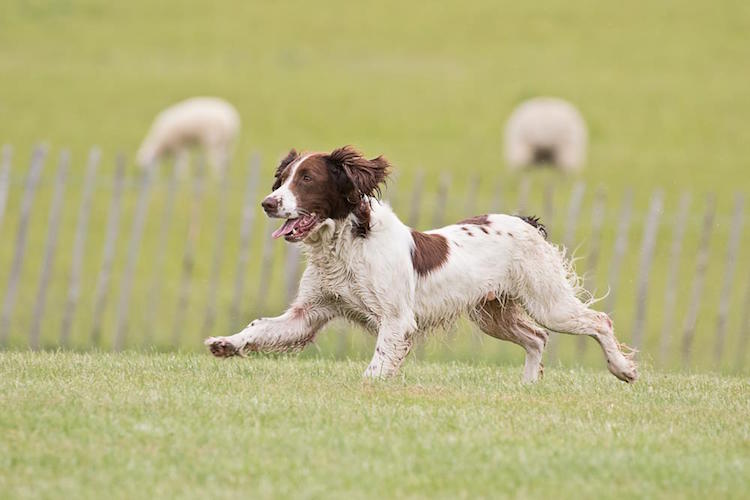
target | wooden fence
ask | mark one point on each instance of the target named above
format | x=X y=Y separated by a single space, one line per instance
x=102 y=255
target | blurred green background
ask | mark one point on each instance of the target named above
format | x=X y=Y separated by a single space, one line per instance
x=663 y=86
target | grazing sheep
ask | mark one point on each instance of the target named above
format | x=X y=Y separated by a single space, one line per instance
x=208 y=122
x=546 y=130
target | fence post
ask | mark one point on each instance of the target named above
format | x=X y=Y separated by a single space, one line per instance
x=218 y=253
x=248 y=217
x=471 y=195
x=574 y=211
x=497 y=202
x=621 y=246
x=48 y=262
x=548 y=209
x=744 y=330
x=698 y=280
x=441 y=199
x=524 y=188
x=266 y=269
x=592 y=260
x=291 y=271
x=673 y=273
x=416 y=199
x=134 y=244
x=650 y=230
x=188 y=254
x=728 y=281
x=4 y=179
x=101 y=292
x=157 y=280
x=32 y=180
x=79 y=241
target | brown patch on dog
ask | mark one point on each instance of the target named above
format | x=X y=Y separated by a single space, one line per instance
x=479 y=220
x=365 y=175
x=298 y=312
x=280 y=175
x=499 y=233
x=429 y=253
x=484 y=230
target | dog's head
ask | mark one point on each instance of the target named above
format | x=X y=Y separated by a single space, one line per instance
x=310 y=188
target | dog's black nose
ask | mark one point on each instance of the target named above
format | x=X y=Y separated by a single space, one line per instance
x=270 y=204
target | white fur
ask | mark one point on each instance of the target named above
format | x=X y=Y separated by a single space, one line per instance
x=208 y=122
x=546 y=123
x=504 y=275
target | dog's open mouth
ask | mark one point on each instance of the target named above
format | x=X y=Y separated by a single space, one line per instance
x=296 y=229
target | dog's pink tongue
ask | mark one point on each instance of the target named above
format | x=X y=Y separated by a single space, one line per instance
x=285 y=228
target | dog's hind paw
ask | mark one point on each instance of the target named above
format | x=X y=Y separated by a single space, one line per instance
x=627 y=373
x=221 y=347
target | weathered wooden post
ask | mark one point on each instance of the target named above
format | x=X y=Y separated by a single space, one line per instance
x=79 y=244
x=621 y=246
x=574 y=212
x=4 y=179
x=101 y=293
x=728 y=281
x=11 y=291
x=188 y=254
x=701 y=264
x=157 y=280
x=441 y=200
x=53 y=230
x=218 y=254
x=134 y=244
x=592 y=260
x=266 y=268
x=416 y=199
x=248 y=218
x=673 y=272
x=648 y=243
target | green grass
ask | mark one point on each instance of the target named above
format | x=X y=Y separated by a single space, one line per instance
x=179 y=425
x=661 y=84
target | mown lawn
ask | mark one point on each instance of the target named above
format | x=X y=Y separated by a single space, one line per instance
x=157 y=425
x=662 y=86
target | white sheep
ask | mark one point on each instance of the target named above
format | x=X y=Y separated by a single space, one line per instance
x=207 y=122
x=546 y=130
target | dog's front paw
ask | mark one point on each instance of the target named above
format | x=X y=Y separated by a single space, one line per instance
x=378 y=371
x=221 y=347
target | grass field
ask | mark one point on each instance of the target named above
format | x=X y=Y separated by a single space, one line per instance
x=157 y=425
x=662 y=86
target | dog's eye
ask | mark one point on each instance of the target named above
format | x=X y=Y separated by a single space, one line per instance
x=306 y=178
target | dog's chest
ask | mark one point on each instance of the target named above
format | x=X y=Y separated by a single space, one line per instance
x=347 y=283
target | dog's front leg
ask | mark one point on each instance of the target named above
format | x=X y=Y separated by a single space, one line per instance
x=393 y=344
x=291 y=331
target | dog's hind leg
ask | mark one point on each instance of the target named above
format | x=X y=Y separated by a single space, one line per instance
x=505 y=319
x=548 y=291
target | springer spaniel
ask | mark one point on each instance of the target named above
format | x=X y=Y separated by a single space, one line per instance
x=365 y=265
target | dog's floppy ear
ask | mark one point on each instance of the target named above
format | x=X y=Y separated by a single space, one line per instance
x=365 y=175
x=289 y=158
